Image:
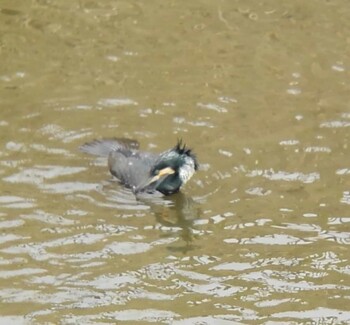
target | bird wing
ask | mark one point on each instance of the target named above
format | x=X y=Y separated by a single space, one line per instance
x=104 y=146
x=132 y=168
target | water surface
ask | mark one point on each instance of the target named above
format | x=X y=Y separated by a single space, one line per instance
x=260 y=235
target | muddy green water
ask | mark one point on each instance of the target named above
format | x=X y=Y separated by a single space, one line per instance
x=259 y=89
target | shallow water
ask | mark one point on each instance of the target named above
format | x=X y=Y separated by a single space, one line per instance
x=260 y=235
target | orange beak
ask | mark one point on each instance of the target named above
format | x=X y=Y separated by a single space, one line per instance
x=157 y=178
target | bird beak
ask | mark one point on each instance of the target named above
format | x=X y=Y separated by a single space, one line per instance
x=157 y=178
x=163 y=172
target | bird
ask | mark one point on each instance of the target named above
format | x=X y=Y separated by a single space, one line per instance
x=143 y=171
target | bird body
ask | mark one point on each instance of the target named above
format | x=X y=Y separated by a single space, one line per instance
x=145 y=171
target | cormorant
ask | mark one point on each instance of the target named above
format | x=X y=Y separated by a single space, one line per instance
x=145 y=171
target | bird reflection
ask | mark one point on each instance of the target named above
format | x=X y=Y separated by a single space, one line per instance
x=179 y=211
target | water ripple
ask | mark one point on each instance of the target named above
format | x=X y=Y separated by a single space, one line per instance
x=322 y=315
x=37 y=175
x=285 y=176
x=16 y=202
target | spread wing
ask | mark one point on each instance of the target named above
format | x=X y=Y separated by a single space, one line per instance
x=105 y=146
x=131 y=166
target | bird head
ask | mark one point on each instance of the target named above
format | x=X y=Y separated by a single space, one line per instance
x=172 y=169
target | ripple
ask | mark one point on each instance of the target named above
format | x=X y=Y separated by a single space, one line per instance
x=68 y=187
x=201 y=122
x=301 y=227
x=217 y=219
x=289 y=142
x=127 y=248
x=15 y=320
x=57 y=132
x=21 y=272
x=227 y=99
x=5 y=238
x=37 y=175
x=336 y=236
x=318 y=314
x=275 y=239
x=114 y=102
x=273 y=302
x=211 y=289
x=258 y=191
x=46 y=217
x=272 y=279
x=346 y=197
x=37 y=251
x=56 y=151
x=225 y=153
x=343 y=171
x=336 y=220
x=294 y=91
x=11 y=224
x=149 y=315
x=233 y=266
x=16 y=75
x=258 y=222
x=217 y=320
x=123 y=206
x=318 y=149
x=14 y=146
x=16 y=202
x=75 y=107
x=213 y=107
x=335 y=124
x=79 y=239
x=110 y=282
x=285 y=176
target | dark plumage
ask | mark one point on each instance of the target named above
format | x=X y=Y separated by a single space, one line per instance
x=144 y=171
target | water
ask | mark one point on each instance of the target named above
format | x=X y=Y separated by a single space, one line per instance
x=260 y=91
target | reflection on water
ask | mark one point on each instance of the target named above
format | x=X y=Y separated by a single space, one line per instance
x=260 y=235
x=179 y=216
